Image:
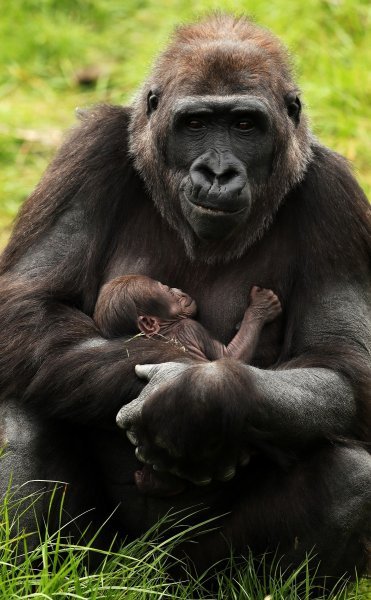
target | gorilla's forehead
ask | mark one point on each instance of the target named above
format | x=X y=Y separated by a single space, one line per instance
x=237 y=65
x=234 y=103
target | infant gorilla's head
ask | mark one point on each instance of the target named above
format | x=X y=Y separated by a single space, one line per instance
x=133 y=303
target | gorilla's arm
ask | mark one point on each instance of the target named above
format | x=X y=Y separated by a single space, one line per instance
x=54 y=358
x=51 y=354
x=310 y=398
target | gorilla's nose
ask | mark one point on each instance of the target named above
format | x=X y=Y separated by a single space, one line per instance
x=217 y=173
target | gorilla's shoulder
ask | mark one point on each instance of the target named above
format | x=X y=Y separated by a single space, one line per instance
x=98 y=143
x=329 y=208
x=329 y=184
x=102 y=126
x=104 y=114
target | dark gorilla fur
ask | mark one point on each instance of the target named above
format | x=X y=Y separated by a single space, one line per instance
x=303 y=407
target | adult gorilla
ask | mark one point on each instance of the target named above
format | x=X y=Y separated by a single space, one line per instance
x=210 y=182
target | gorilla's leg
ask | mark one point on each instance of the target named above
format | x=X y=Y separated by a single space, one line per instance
x=43 y=464
x=320 y=507
x=22 y=472
x=337 y=493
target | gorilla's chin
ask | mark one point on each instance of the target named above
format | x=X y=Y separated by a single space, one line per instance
x=213 y=223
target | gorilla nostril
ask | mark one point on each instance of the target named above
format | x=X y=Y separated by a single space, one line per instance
x=207 y=174
x=226 y=177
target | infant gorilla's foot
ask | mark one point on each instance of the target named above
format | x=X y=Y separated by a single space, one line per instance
x=264 y=304
x=153 y=483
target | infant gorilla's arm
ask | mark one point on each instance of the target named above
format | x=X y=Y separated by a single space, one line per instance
x=263 y=308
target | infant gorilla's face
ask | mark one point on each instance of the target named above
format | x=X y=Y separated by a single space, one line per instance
x=179 y=303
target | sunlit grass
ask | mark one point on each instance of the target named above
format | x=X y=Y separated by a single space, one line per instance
x=45 y=42
x=54 y=567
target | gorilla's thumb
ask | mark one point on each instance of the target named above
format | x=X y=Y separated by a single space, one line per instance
x=146 y=371
x=129 y=414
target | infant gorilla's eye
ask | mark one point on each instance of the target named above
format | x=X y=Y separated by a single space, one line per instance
x=195 y=124
x=245 y=125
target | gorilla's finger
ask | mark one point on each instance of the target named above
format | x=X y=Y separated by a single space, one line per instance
x=146 y=371
x=146 y=456
x=244 y=458
x=196 y=478
x=201 y=480
x=140 y=454
x=132 y=437
x=226 y=474
x=161 y=372
x=153 y=456
x=129 y=414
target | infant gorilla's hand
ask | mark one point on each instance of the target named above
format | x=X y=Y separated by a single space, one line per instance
x=264 y=304
x=189 y=419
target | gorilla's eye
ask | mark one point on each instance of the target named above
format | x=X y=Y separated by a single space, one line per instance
x=245 y=125
x=195 y=124
x=152 y=102
x=294 y=109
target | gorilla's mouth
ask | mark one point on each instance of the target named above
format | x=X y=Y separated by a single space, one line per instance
x=213 y=222
x=212 y=210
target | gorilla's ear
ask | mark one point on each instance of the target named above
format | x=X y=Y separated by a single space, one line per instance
x=148 y=325
x=152 y=102
x=293 y=104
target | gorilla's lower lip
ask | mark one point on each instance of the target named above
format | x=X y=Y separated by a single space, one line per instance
x=215 y=211
x=211 y=223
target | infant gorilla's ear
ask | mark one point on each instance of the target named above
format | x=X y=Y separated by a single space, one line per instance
x=149 y=325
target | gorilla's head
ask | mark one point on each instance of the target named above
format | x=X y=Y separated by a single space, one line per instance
x=218 y=135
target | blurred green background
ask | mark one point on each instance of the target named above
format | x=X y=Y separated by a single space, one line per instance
x=56 y=55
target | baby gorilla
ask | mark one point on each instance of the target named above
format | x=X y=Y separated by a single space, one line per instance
x=135 y=303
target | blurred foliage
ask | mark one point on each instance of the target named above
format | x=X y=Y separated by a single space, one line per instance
x=46 y=45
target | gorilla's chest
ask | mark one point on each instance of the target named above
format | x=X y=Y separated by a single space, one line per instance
x=222 y=295
x=221 y=291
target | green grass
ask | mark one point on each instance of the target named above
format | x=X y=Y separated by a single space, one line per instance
x=45 y=42
x=56 y=568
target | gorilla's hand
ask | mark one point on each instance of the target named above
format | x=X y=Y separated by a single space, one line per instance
x=189 y=419
x=158 y=376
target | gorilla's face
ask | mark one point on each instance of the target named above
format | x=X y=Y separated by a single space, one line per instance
x=218 y=138
x=221 y=145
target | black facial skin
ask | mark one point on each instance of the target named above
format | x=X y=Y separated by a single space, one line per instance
x=215 y=141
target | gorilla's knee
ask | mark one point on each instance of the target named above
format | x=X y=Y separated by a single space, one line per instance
x=349 y=478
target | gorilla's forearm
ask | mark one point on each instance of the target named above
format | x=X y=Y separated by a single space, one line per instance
x=185 y=412
x=297 y=406
x=52 y=356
